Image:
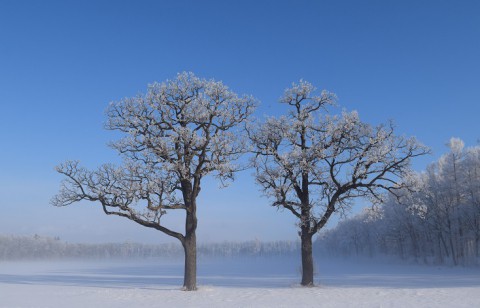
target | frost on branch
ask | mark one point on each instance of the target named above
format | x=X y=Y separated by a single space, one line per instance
x=131 y=191
x=178 y=132
x=314 y=164
x=188 y=124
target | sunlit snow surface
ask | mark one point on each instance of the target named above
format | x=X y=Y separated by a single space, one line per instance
x=235 y=282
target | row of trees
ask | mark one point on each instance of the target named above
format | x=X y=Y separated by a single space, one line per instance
x=438 y=224
x=308 y=162
x=40 y=248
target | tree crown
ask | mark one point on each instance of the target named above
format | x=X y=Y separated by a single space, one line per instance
x=174 y=135
x=315 y=162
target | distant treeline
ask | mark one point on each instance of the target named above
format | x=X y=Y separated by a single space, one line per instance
x=440 y=224
x=15 y=247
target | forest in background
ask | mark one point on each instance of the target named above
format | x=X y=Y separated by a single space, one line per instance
x=437 y=224
x=15 y=247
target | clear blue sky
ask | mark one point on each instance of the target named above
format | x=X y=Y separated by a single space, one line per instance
x=61 y=62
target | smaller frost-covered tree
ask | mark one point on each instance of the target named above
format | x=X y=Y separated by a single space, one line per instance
x=176 y=134
x=314 y=165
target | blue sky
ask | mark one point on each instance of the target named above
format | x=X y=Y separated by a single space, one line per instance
x=62 y=62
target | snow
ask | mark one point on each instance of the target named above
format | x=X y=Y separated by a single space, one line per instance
x=248 y=282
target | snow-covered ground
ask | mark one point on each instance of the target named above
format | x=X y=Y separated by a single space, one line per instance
x=251 y=282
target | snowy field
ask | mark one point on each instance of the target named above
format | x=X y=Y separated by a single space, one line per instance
x=253 y=282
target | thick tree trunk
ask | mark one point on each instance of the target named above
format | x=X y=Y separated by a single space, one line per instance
x=307 y=259
x=190 y=275
x=190 y=240
x=190 y=248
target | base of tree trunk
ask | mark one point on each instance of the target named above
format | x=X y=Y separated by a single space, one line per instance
x=308 y=285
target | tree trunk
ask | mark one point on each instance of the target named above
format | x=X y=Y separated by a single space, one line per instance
x=190 y=275
x=190 y=248
x=307 y=259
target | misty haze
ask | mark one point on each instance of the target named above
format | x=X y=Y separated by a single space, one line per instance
x=239 y=154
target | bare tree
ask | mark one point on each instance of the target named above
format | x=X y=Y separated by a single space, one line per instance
x=314 y=165
x=177 y=133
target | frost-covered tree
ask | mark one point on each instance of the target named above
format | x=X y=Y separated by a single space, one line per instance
x=451 y=201
x=314 y=165
x=177 y=133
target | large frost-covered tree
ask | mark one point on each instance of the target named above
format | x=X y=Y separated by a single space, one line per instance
x=314 y=165
x=174 y=135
